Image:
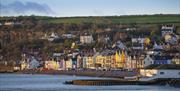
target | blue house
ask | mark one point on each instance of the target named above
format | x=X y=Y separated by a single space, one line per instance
x=162 y=59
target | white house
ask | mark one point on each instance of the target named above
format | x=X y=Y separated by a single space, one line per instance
x=33 y=63
x=53 y=36
x=120 y=45
x=166 y=29
x=86 y=39
x=148 y=61
x=68 y=64
x=85 y=61
x=9 y=23
x=129 y=63
x=160 y=71
x=68 y=35
x=138 y=40
x=157 y=47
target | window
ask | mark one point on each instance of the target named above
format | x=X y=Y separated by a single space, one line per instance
x=179 y=73
x=161 y=73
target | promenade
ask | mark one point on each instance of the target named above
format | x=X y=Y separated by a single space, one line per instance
x=93 y=73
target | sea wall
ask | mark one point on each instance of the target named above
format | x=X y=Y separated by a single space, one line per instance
x=93 y=73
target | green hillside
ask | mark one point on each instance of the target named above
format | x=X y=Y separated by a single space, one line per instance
x=119 y=19
x=139 y=19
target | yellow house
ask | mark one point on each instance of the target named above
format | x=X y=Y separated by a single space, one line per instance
x=176 y=60
x=113 y=61
x=54 y=65
x=68 y=64
x=105 y=61
x=90 y=62
x=99 y=62
x=140 y=61
x=24 y=65
x=120 y=59
x=24 y=62
x=108 y=61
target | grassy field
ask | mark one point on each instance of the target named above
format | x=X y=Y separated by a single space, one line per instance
x=138 y=19
x=152 y=19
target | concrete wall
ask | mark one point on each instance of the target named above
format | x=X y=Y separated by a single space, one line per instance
x=162 y=73
x=169 y=74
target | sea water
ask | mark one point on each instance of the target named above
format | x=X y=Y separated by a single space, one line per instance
x=35 y=82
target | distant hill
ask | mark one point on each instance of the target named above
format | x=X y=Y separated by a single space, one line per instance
x=138 y=19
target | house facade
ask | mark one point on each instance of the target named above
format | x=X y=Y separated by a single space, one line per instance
x=167 y=29
x=51 y=65
x=148 y=61
x=34 y=63
x=162 y=59
x=176 y=60
x=86 y=39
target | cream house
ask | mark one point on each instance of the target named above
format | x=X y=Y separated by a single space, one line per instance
x=68 y=64
x=86 y=39
x=176 y=60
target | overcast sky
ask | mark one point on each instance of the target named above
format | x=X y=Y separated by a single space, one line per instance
x=66 y=8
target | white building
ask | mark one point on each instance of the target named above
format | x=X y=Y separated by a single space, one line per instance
x=160 y=71
x=33 y=63
x=53 y=36
x=9 y=23
x=148 y=61
x=120 y=45
x=157 y=47
x=68 y=64
x=68 y=35
x=86 y=39
x=165 y=29
x=129 y=63
x=138 y=40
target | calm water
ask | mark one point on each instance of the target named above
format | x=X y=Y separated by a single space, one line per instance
x=27 y=82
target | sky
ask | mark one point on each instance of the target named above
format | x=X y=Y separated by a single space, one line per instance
x=68 y=8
